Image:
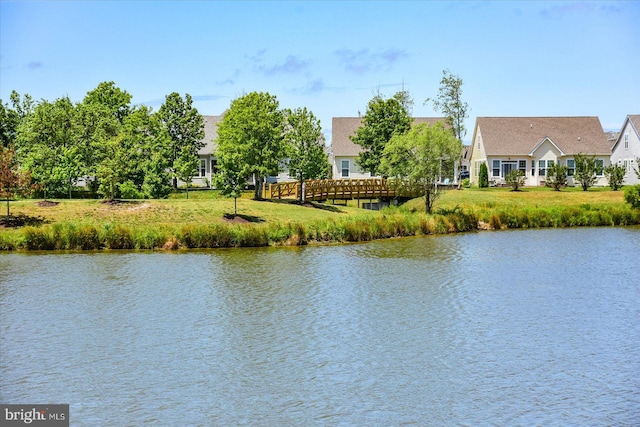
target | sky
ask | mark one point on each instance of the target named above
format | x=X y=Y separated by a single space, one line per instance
x=529 y=58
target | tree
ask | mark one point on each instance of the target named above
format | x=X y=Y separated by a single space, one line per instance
x=449 y=102
x=12 y=180
x=184 y=125
x=557 y=176
x=251 y=133
x=116 y=100
x=615 y=175
x=114 y=166
x=483 y=176
x=587 y=169
x=186 y=166
x=383 y=119
x=305 y=146
x=231 y=178
x=47 y=146
x=515 y=178
x=416 y=158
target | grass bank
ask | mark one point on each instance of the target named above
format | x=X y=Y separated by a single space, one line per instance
x=203 y=221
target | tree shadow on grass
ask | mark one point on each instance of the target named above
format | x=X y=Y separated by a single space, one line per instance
x=241 y=219
x=315 y=205
x=21 y=220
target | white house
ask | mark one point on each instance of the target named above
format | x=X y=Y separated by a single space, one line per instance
x=533 y=144
x=626 y=150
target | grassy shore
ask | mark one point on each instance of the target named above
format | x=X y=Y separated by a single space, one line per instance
x=205 y=220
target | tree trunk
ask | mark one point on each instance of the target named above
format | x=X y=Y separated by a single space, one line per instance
x=235 y=206
x=258 y=184
x=8 y=214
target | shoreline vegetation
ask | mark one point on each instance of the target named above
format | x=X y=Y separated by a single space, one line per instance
x=204 y=220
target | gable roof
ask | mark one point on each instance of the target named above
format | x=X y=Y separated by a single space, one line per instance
x=210 y=134
x=634 y=121
x=513 y=136
x=344 y=127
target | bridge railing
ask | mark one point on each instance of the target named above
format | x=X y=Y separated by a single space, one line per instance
x=324 y=189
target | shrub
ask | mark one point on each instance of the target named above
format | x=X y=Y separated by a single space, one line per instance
x=632 y=196
x=557 y=176
x=515 y=178
x=483 y=176
x=128 y=190
x=615 y=176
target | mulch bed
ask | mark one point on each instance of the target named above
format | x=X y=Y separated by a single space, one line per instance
x=47 y=203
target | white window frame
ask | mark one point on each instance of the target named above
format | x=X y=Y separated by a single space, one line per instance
x=601 y=161
x=343 y=169
x=571 y=168
x=495 y=168
x=202 y=168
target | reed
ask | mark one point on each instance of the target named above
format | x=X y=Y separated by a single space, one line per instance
x=189 y=224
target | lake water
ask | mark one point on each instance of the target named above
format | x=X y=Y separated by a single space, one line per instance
x=537 y=327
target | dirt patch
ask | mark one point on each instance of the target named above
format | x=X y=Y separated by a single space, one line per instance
x=47 y=203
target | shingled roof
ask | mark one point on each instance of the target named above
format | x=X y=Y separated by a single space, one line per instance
x=210 y=134
x=519 y=136
x=344 y=127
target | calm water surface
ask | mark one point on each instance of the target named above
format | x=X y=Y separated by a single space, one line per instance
x=523 y=328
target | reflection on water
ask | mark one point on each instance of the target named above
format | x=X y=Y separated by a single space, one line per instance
x=508 y=328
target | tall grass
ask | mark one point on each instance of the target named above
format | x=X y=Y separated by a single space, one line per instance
x=198 y=224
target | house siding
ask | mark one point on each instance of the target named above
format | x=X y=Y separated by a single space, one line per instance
x=626 y=151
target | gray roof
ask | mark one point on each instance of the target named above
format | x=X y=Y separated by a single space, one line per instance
x=634 y=120
x=519 y=136
x=344 y=127
x=210 y=134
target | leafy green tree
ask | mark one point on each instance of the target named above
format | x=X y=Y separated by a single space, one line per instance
x=116 y=101
x=113 y=168
x=515 y=178
x=449 y=102
x=251 y=132
x=232 y=174
x=305 y=146
x=12 y=180
x=383 y=119
x=186 y=166
x=483 y=176
x=46 y=145
x=416 y=158
x=557 y=176
x=184 y=125
x=615 y=175
x=587 y=169
x=10 y=118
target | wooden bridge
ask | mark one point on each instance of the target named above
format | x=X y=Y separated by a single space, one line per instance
x=339 y=189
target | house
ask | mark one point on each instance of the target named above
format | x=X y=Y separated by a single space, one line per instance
x=533 y=144
x=626 y=150
x=208 y=164
x=344 y=152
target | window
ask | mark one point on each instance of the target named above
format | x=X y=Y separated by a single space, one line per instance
x=626 y=140
x=202 y=168
x=599 y=167
x=345 y=168
x=571 y=167
x=533 y=168
x=495 y=169
x=508 y=167
x=214 y=166
x=522 y=165
x=542 y=168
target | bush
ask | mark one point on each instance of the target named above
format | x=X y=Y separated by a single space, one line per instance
x=128 y=190
x=483 y=176
x=515 y=178
x=632 y=196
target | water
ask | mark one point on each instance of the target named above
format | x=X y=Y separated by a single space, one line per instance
x=524 y=328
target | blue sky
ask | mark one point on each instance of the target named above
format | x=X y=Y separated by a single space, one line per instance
x=515 y=58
